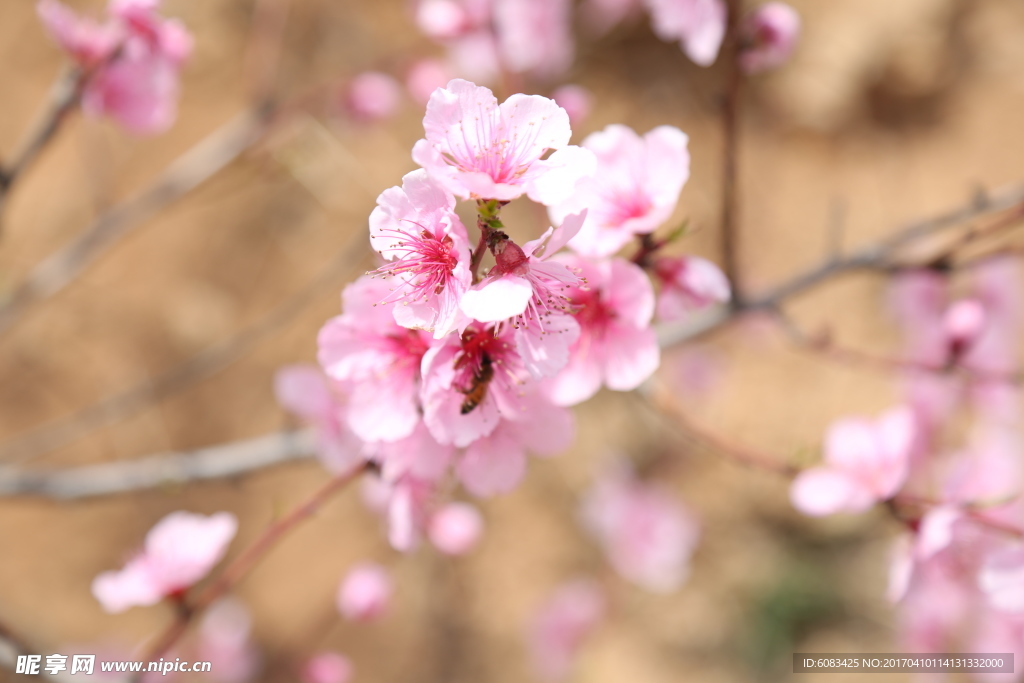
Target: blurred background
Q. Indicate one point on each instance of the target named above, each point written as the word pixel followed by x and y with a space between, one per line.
pixel 888 112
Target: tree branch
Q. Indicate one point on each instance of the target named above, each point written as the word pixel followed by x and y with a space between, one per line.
pixel 189 171
pixel 212 462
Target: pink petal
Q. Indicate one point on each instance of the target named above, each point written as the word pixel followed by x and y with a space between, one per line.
pixel 630 357
pixel 456 528
pixel 365 592
pixel 493 464
pixel 497 299
pixel 821 491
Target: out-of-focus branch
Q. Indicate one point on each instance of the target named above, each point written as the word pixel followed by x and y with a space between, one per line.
pixel 249 558
pixel 730 155
pixel 881 256
pixel 264 50
pixel 189 171
pixel 213 462
pixel 665 402
pixel 63 99
pixel 209 362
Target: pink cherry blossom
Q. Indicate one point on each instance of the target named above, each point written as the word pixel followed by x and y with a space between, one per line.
pixel 561 626
pixel 443 19
pixel 133 59
pixel 304 391
pixel 524 285
pixel 224 641
pixel 699 26
pixel 87 41
pixel 866 462
pixel 407 512
pixel 535 36
pixel 376 360
pixel 496 462
pixel 373 96
pixel 576 100
pixel 963 322
pixel 478 148
pixel 179 550
pixel 424 77
pixel 473 381
pixel 617 346
pixel 365 592
pixel 769 36
pixel 327 667
pixel 456 528
pixel 415 228
pixel 688 283
pixel 647 535
pixel 634 190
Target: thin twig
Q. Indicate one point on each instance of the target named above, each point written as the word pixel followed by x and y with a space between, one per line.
pixel 730 160
pixel 665 402
pixel 213 462
pixel 57 433
pixel 242 564
pixel 63 99
pixel 193 168
pixel 879 256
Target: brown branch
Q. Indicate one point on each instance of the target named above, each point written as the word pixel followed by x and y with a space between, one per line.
pixel 64 97
pixel 193 168
pixel 244 563
pixel 119 406
pixel 212 462
pixel 664 401
pixel 730 155
pixel 880 256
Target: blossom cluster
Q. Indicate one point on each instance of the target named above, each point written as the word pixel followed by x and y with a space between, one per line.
pixel 130 62
pixel 439 364
pixel 486 39
pixel 957 572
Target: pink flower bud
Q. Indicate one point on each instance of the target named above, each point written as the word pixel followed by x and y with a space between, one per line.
pixel 963 323
pixel 426 76
pixel 365 592
pixel 575 100
pixel 456 528
pixel 770 33
pixel 441 19
pixel 327 667
pixel 373 96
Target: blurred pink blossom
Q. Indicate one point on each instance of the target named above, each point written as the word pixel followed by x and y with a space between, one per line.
pixel 866 461
pixel 416 230
pixel 617 346
pixel 375 360
pixel 634 190
pixel 373 96
pixel 1002 579
pixel 327 667
pixel 479 149
pixel 365 592
pixel 304 391
pixel 535 36
pixel 576 100
pixel 562 624
pixel 224 642
pixel 688 283
pixel 769 36
pixel 132 61
pixel 647 535
pixel 424 77
pixel 456 528
pixel 699 26
pixel 179 550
